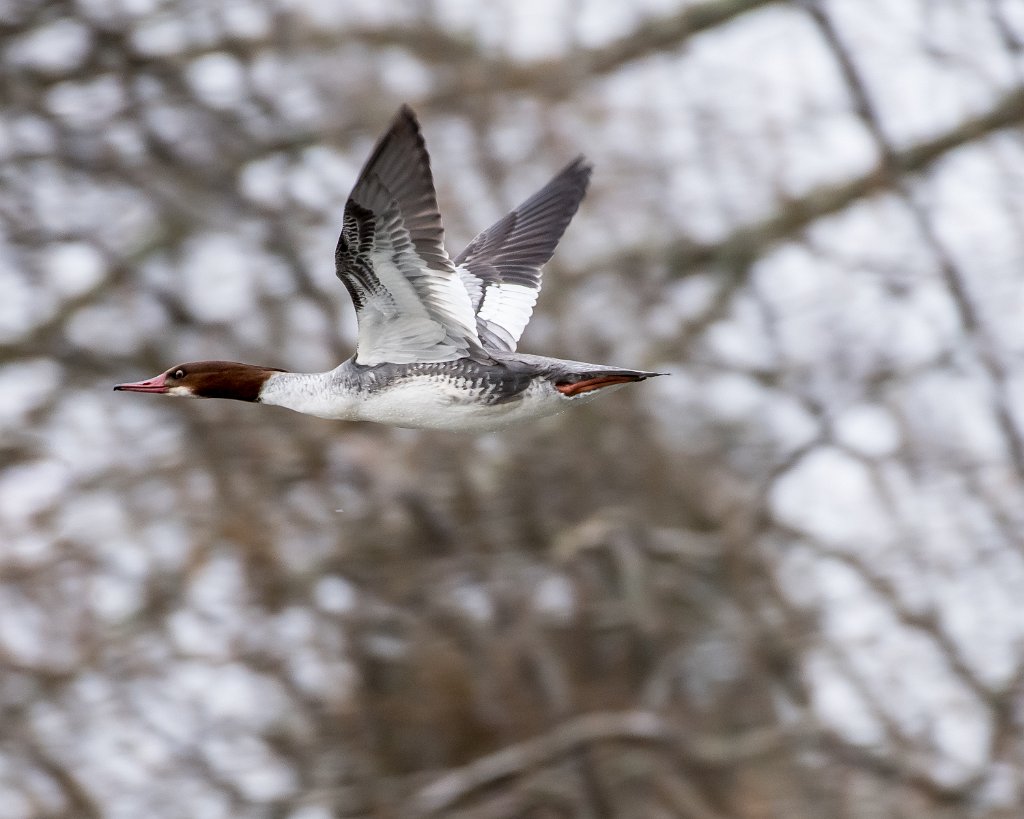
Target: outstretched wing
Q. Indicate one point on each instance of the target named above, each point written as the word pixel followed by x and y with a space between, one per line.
pixel 410 303
pixel 501 268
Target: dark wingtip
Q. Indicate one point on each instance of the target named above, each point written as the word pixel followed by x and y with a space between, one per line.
pixel 407 116
pixel 579 171
pixel 581 164
pixel 404 126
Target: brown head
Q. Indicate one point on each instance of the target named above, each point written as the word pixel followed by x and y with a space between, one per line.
pixel 207 379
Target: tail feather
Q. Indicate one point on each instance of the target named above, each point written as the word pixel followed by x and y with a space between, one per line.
pixel 579 383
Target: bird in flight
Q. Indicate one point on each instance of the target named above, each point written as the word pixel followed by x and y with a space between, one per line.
pixel 437 337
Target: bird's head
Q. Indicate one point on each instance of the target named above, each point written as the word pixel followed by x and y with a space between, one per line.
pixel 207 379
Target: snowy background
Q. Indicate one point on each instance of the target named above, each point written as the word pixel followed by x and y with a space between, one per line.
pixel 784 581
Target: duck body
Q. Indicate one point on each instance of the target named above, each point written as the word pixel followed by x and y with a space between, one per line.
pixel 462 395
pixel 437 339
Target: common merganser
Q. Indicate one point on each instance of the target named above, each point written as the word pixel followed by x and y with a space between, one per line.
pixel 436 345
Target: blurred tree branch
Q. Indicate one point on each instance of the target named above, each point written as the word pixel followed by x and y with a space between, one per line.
pixel 736 250
pixel 558 79
pixel 622 613
pixel 588 729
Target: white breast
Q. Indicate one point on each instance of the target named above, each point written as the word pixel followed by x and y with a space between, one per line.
pixel 418 402
pixel 316 394
pixel 432 403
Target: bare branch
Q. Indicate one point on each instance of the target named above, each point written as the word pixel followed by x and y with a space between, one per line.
pixel 631 726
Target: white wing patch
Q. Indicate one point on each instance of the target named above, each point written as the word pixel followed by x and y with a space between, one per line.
pixel 501 267
pixel 410 301
pixel 423 315
pixel 506 309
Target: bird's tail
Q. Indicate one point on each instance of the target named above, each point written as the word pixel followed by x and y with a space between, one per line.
pixel 577 383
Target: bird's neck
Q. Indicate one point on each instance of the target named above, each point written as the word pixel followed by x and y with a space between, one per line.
pixel 326 395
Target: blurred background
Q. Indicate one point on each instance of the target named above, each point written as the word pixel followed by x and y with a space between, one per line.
pixel 785 581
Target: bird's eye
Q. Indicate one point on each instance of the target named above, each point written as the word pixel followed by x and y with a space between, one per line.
pixel 178 373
